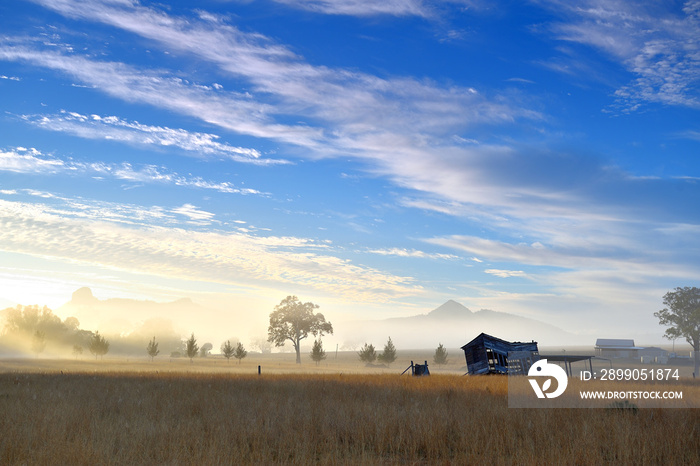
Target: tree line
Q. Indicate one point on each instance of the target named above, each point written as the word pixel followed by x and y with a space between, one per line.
pixel 294 321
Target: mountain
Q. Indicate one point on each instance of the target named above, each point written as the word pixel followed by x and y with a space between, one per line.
pixel 450 310
pixel 454 325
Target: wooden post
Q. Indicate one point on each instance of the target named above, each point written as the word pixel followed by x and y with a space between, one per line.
pixel 258 370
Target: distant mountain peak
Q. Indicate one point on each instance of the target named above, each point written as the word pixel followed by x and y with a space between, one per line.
pixel 83 296
pixel 450 309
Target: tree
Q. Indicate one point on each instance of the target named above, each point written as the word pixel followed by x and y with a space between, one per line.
pixel 205 349
pixel 227 350
pixel 440 356
pixel 98 345
pixel 191 347
pixel 240 352
pixel 293 320
pixel 389 354
pixel 38 342
pixel 262 344
pixel 152 348
pixel 317 352
pixel 77 351
pixel 367 354
pixel 682 314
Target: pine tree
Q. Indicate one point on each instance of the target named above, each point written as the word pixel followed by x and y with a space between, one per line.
pixel 440 356
pixel 152 348
pixel 317 352
pixel 240 352
pixel 389 354
pixel 367 354
pixel 191 347
pixel 227 350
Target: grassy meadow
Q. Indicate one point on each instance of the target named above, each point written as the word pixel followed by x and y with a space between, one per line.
pixel 212 412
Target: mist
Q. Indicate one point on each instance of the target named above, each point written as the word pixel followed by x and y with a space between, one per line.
pixel 129 324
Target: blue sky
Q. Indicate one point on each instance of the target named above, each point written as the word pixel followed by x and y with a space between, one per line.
pixel 539 158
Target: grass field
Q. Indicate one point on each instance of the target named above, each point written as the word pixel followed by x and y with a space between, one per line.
pixel 138 412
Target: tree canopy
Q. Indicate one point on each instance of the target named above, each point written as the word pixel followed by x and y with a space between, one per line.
pixel 293 320
pixel 240 352
pixel 367 353
pixel 682 315
pixel 98 345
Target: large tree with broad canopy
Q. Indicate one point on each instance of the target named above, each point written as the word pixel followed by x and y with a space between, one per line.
pixel 682 315
pixel 293 320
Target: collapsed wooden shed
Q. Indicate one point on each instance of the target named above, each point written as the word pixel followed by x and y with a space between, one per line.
pixel 487 354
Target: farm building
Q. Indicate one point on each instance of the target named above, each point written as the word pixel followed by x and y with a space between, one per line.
pixel 616 348
pixel 486 354
pixel 653 354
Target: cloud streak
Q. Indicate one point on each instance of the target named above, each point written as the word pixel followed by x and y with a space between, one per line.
pixel 33 161
pixel 657 44
pixel 118 129
pixel 217 257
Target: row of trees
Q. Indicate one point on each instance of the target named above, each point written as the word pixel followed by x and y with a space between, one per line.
pixel 368 354
pixel 192 349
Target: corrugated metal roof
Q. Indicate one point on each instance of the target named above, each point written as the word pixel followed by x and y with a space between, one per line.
pixel 614 342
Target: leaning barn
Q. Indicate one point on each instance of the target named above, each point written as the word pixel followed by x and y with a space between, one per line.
pixel 490 355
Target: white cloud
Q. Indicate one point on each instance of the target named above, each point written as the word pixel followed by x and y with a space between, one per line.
pixel 232 111
pixel 69 232
pixel 414 253
pixel 23 160
pixel 655 41
pixel 506 273
pixel 193 213
pixel 133 132
pixel 363 7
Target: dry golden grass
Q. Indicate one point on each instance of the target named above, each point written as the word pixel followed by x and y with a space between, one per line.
pixel 222 418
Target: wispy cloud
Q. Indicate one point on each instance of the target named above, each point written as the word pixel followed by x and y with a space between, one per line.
pixel 194 214
pixel 412 253
pixel 23 160
pixel 236 112
pixel 655 41
pixel 33 161
pixel 363 7
pixel 231 258
pixel 132 132
pixel 505 273
pixel 356 101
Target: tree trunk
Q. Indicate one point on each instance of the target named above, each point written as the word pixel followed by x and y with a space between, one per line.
pixel 696 373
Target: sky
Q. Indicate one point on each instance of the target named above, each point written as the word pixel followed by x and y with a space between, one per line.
pixel 540 158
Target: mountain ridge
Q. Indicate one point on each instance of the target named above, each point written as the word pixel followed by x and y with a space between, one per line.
pixel 454 324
